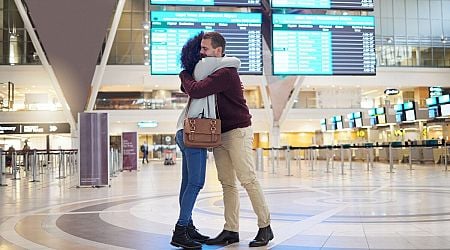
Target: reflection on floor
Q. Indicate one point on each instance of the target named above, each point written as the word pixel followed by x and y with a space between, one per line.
pixel 310 209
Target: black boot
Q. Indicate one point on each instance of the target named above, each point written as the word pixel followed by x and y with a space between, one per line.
pixel 195 235
pixel 263 237
pixel 224 238
pixel 181 239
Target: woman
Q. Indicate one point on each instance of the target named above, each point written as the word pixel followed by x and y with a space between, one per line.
pixel 194 159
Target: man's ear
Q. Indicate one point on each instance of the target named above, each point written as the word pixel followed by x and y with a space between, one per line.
pixel 219 51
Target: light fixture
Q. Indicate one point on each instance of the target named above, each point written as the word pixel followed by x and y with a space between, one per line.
pixel 146 26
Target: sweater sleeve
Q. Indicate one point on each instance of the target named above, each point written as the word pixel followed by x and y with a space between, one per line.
pixel 208 65
pixel 212 84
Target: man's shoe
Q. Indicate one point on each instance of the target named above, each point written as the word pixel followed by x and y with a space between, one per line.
pixel 224 238
pixel 181 239
pixel 263 237
pixel 193 233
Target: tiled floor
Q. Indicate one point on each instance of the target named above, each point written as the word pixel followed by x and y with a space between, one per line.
pixel 310 209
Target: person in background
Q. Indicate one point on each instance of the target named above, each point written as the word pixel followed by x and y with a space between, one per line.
pixel 234 158
pixel 194 159
pixel 144 150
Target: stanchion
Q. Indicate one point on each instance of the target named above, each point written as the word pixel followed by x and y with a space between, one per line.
pixel 277 153
pixel 368 158
pixel 446 155
pixel 61 166
pixel 2 169
pixel 391 160
pixel 315 154
pixel 15 169
pixel 332 159
pixel 328 158
pixel 259 159
pixel 299 159
pixel 311 160
pixel 410 157
pixel 350 158
pixel 34 168
pixel 342 160
pixel 288 160
pixel 272 159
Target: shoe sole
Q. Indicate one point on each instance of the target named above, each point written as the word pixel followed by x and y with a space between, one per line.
pixel 225 243
pixel 175 244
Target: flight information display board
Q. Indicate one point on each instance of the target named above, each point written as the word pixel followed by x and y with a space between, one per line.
pixel 236 3
pixel 323 45
pixel 325 4
pixel 170 31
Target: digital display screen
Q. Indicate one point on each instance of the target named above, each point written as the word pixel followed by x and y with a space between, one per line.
pixel 410 115
pixel 170 31
pixel 444 99
pixel 338 118
pixel 236 3
pixel 323 125
pixel 358 122
pixel 381 119
pixel 351 123
pixel 325 4
pixel 340 125
pixel 371 112
pixel 432 101
pixel 333 126
pixel 350 116
pixel 357 115
pixel 445 109
pixel 398 107
pixel 323 45
pixel 433 112
pixel 380 111
pixel 373 120
pixel 399 117
pixel 408 105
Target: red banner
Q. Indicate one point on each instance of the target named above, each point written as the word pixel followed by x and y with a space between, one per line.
pixel 129 150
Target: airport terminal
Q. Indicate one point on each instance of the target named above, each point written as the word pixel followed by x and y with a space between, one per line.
pixel 350 114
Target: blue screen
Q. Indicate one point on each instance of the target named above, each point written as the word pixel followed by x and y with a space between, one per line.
pixel 170 31
pixel 323 45
pixel 324 4
pixel 236 3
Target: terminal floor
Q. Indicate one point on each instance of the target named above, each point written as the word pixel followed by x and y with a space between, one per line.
pixel 408 209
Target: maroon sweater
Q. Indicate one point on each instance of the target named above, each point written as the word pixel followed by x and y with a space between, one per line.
pixel 227 86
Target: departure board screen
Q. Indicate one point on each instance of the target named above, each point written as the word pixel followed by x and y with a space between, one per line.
pixel 323 45
pixel 236 3
pixel 170 31
pixel 325 4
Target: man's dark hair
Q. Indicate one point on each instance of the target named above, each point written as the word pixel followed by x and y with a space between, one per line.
pixel 190 53
pixel 217 40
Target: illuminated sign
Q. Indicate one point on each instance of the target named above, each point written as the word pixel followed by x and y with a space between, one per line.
pixel 36 128
pixel 391 91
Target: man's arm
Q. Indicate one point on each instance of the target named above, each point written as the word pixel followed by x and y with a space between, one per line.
pixel 213 84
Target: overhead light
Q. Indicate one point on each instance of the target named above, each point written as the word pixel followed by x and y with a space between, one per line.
pixel 146 48
pixel 146 26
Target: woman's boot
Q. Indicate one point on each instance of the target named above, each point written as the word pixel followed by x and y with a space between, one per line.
pixel 181 239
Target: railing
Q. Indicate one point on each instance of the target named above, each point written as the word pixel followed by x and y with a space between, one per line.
pixel 35 163
pixel 391 153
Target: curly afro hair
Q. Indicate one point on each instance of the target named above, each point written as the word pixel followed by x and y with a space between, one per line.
pixel 190 53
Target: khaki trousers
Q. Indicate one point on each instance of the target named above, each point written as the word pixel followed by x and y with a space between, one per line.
pixel 234 159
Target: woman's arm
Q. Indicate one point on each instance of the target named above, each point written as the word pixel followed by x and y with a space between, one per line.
pixel 208 65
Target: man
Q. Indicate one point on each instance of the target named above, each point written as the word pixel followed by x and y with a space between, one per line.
pixel 234 159
pixel 144 150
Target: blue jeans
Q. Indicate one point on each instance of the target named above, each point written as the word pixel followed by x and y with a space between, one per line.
pixel 192 179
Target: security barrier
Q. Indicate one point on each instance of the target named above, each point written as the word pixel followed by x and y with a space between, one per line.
pixel 393 153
